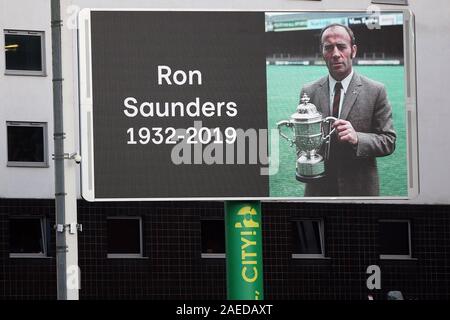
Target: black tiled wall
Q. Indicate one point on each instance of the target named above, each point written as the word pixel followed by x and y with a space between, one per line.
pixel 173 268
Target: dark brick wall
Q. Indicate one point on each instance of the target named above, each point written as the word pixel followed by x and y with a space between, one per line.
pixel 173 267
pixel 26 278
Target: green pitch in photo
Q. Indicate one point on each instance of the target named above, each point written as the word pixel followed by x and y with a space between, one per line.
pixel 283 89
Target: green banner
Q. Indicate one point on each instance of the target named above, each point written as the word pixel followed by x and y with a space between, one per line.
pixel 244 250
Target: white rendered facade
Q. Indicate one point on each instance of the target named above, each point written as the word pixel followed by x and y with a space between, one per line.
pixel 26 98
pixel 29 98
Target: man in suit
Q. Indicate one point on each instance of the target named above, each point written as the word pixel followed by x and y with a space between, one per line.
pixel 364 129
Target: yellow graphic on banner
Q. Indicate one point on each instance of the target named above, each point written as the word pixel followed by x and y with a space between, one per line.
pixel 248 243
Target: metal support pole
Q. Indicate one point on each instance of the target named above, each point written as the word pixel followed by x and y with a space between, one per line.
pixel 65 201
pixel 244 250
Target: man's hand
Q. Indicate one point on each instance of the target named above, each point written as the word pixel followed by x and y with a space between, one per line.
pixel 345 131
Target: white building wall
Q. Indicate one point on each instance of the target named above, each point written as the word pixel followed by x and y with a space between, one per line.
pixel 30 98
pixel 26 98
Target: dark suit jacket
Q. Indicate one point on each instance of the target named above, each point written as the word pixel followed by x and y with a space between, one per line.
pixel 352 171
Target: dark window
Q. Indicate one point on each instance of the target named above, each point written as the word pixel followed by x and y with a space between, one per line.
pixel 307 237
pixel 24 52
pixel 26 143
pixel 213 236
pixel 124 236
pixel 27 236
pixel 394 238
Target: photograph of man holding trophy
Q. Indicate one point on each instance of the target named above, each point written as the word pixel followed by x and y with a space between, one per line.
pixel 342 124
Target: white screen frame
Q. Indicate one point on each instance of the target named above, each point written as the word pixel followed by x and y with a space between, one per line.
pixel 86 111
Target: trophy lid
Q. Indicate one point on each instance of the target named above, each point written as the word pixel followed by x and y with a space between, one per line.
pixel 306 112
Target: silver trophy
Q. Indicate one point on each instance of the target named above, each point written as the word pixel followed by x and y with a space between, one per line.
pixel 310 140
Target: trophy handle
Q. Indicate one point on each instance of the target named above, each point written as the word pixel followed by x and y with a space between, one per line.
pixel 329 120
pixel 286 123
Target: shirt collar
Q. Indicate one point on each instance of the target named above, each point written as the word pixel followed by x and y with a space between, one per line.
pixel 345 82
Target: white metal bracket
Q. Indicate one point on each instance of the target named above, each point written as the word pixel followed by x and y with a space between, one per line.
pixel 72 227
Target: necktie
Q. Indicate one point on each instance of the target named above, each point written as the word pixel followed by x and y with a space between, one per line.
pixel 336 99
